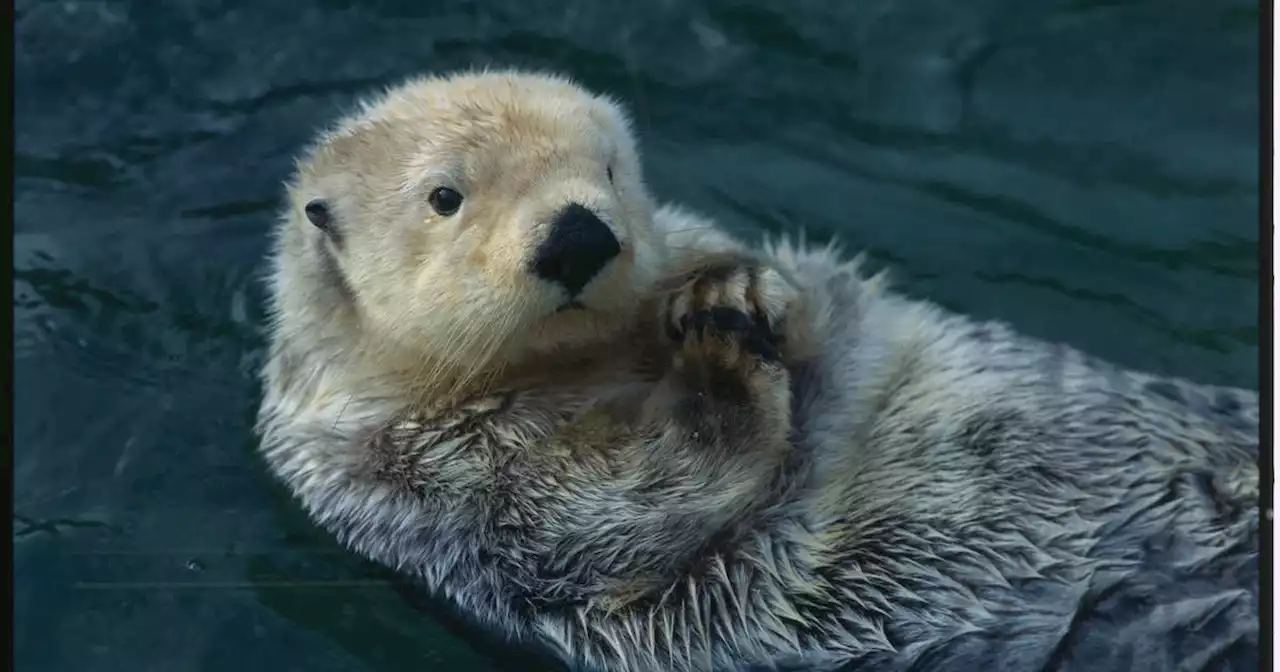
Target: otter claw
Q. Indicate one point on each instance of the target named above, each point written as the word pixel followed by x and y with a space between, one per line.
pixel 730 302
pixel 735 323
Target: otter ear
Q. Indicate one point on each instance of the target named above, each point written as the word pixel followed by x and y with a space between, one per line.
pixel 319 214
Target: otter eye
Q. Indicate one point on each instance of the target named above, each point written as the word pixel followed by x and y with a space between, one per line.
pixel 444 200
pixel 608 171
pixel 318 213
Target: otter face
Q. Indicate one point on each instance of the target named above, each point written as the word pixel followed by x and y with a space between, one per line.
pixel 482 215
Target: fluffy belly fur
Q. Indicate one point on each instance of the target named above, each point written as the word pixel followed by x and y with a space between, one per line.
pixel 888 487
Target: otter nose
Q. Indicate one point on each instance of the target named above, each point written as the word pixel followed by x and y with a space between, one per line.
pixel 578 248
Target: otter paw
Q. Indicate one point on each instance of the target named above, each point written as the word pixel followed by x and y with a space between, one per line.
pixel 731 312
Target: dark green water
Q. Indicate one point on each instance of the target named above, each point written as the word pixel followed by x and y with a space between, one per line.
pixel 1085 169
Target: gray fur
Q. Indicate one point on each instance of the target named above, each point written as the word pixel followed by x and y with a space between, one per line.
pixel 955 495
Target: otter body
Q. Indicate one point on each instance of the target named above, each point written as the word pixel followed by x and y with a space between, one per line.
pixel 606 426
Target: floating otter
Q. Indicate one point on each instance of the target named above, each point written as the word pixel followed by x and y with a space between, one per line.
pixel 497 366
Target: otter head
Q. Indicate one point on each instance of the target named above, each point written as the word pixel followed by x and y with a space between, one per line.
pixel 478 219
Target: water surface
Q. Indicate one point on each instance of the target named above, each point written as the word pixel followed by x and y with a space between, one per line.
pixel 1084 169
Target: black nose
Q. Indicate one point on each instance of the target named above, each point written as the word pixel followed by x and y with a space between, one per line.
pixel 579 246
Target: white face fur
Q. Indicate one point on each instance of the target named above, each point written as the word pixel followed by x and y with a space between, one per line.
pixel 482 216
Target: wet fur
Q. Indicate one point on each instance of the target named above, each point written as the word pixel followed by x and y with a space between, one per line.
pixel 751 458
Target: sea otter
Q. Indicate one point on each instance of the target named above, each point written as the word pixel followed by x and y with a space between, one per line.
pixel 498 366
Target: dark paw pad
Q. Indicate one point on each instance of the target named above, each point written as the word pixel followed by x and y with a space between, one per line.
pixel 727 323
